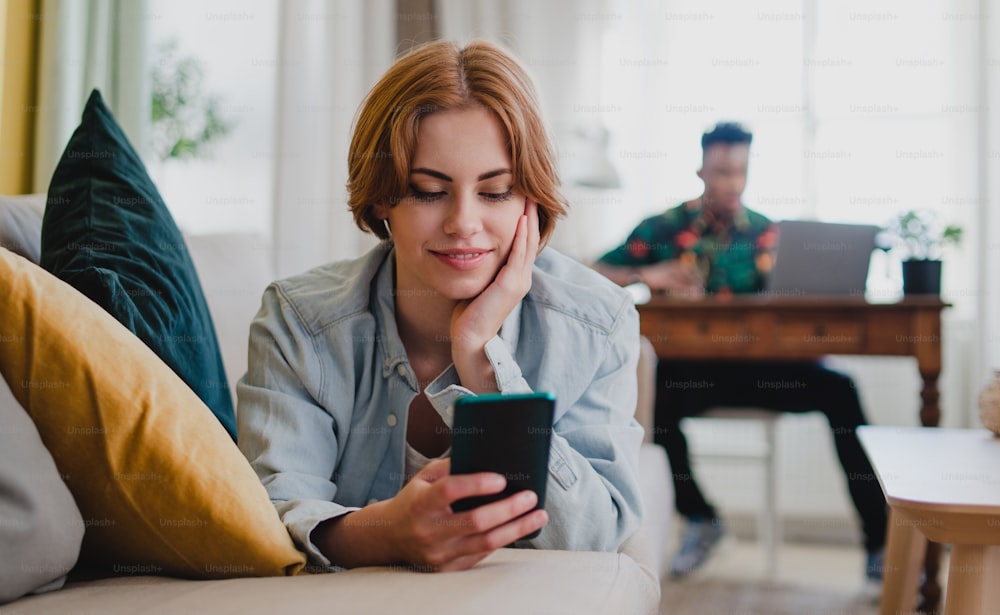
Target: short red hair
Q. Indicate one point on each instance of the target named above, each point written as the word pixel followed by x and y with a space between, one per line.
pixel 441 76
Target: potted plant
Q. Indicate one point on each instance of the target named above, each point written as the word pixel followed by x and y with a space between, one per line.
pixel 921 238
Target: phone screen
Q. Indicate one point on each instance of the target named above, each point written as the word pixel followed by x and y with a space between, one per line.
pixel 506 434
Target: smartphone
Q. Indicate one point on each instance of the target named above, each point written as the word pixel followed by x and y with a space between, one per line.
pixel 506 434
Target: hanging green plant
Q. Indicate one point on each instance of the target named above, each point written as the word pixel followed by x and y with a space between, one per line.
pixel 186 121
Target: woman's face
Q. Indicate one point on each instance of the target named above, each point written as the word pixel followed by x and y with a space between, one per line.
pixel 454 229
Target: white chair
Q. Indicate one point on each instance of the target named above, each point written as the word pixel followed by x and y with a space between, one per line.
pixel 768 521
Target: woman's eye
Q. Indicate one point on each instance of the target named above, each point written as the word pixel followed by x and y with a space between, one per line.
pixel 420 195
pixel 497 196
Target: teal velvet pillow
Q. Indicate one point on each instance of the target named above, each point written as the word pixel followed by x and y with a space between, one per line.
pixel 107 232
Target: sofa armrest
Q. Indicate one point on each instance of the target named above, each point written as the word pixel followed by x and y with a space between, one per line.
pixel 21 224
pixel 508 581
pixel 649 546
pixel 646 400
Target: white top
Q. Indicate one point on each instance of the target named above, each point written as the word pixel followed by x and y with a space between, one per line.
pixel 952 469
pixel 414 461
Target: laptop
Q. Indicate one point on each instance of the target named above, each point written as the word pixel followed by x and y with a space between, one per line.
pixel 821 258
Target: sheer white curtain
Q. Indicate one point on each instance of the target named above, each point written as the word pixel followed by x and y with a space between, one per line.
pixel 561 43
pixel 988 221
pixel 86 44
pixel 330 54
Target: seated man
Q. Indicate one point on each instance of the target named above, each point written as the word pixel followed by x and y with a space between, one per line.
pixel 714 244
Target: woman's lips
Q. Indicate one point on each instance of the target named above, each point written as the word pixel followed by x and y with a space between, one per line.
pixel 463 259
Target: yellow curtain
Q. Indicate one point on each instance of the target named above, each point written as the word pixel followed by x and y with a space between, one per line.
pixel 19 21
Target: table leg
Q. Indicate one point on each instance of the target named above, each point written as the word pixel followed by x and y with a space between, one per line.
pixel 930 411
pixel 904 550
pixel 930 591
pixel 972 577
pixel 930 416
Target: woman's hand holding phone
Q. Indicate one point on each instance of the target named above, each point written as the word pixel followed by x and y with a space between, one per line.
pixel 418 527
pixel 428 533
pixel 474 322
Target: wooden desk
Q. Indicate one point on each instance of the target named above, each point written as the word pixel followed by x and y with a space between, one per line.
pixel 764 327
pixel 768 327
pixel 941 485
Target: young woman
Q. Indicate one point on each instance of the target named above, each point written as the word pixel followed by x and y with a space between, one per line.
pixel 355 366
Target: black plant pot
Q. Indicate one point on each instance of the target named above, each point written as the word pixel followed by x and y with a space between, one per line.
pixel 921 277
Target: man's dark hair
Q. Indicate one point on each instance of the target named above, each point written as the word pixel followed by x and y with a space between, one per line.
pixel 727 133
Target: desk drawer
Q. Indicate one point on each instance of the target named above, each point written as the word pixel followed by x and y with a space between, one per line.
pixel 826 336
pixel 722 335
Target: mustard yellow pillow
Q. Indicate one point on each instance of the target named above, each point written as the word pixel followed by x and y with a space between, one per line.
pixel 161 485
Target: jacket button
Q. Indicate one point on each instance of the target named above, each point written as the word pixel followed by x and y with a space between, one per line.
pixel 391 420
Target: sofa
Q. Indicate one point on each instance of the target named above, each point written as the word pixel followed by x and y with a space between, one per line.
pixel 233 270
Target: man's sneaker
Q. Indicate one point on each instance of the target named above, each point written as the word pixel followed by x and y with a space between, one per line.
pixel 875 565
pixel 874 569
pixel 701 538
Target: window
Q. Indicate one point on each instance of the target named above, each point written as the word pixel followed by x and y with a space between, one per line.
pixel 859 109
pixel 235 44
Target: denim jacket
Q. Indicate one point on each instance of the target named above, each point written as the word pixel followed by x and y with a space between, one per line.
pixel 322 409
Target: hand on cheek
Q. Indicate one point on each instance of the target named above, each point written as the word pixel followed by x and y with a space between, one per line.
pixel 476 321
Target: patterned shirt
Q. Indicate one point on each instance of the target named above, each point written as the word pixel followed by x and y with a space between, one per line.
pixel 732 258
